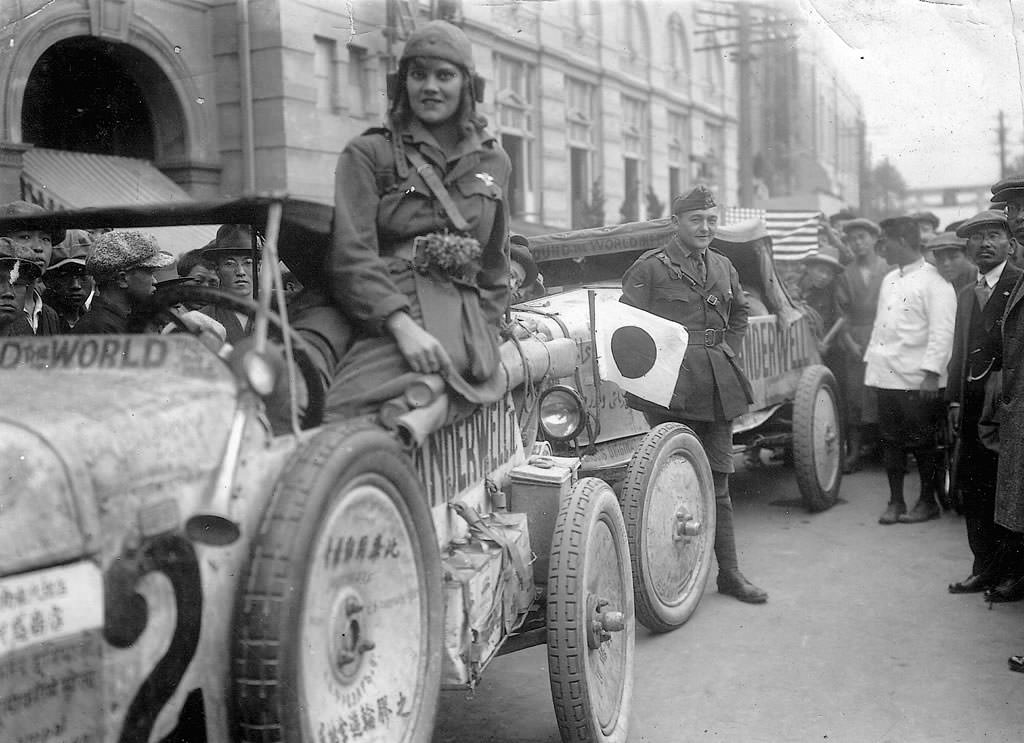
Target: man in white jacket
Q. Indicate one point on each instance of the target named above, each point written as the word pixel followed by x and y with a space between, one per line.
pixel 911 343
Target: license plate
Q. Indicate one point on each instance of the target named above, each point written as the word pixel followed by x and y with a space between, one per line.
pixel 51 655
pixel 49 604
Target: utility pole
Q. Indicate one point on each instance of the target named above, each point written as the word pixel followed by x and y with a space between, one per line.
pixel 746 156
pixel 744 25
pixel 1002 147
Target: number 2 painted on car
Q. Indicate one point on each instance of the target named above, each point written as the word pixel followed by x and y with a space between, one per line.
pixel 127 614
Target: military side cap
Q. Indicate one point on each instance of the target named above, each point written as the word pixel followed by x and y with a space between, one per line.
pixel 21 208
pixel 70 254
pixel 928 217
pixel 945 241
pixel 987 218
pixel 124 250
pixel 861 223
pixel 699 198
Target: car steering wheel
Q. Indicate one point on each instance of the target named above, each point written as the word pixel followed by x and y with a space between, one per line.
pixel 165 298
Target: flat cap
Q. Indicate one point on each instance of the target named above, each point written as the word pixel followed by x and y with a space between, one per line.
pixel 1013 181
pixel 895 225
pixel 18 265
pixel 21 208
pixel 1008 189
pixel 928 217
pixel 123 250
pixel 824 254
pixel 168 276
pixel 862 223
pixel 72 252
pixel 945 241
pixel 986 218
pixel 699 198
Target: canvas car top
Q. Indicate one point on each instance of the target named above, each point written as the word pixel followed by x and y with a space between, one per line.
pixel 630 237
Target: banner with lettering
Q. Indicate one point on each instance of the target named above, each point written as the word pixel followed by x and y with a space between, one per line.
pixel 638 351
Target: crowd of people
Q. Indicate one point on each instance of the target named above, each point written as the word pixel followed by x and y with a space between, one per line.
pixel 105 281
pixel 926 345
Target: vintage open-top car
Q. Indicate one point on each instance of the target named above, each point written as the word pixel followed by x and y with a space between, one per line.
pixel 175 567
pixel 796 409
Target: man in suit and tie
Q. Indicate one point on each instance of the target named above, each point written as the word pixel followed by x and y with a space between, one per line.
pixel 973 368
pixel 699 288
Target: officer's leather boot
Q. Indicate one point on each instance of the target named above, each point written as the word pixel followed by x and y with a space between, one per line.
pixel 730 580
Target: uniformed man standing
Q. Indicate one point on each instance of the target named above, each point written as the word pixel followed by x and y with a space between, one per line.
pixel 698 288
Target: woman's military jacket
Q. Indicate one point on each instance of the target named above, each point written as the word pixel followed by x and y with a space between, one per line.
pixel 382 203
pixel 711 386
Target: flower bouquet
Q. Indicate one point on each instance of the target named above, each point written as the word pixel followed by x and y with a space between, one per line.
pixel 454 256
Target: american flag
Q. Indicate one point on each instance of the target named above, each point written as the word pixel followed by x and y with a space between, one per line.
pixel 794 233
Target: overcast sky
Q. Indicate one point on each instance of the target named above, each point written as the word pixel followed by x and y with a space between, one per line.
pixel 932 77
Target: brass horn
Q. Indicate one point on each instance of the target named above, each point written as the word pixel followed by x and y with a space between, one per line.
pixel 214 524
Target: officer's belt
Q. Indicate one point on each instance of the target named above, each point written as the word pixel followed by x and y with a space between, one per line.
pixel 710 337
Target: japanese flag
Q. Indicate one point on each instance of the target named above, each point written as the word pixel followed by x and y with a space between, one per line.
pixel 638 351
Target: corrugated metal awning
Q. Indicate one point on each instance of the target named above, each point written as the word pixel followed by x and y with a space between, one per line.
pixel 61 180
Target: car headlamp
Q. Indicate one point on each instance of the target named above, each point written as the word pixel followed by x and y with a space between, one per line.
pixel 259 373
pixel 562 413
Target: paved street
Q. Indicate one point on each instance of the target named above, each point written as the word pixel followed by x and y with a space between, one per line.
pixel 860 641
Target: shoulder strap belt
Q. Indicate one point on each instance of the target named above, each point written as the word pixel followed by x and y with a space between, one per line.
pixel 426 170
pixel 679 273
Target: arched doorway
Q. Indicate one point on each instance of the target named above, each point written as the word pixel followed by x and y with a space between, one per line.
pixel 81 97
pixel 86 94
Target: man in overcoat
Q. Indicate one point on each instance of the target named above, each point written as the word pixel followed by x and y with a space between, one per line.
pixel 1009 498
pixel 973 368
pixel 686 282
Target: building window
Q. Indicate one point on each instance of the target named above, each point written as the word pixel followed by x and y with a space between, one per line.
pixel 675 182
pixel 634 126
pixel 678 152
pixel 714 72
pixel 638 43
pixel 325 73
pixel 630 189
pixel 587 17
pixel 515 105
pixel 358 82
pixel 678 51
pixel 714 153
pixel 581 118
pixel 635 123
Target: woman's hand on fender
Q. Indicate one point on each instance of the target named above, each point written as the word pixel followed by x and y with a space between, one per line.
pixel 421 350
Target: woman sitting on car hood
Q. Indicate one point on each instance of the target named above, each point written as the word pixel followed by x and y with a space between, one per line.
pixel 419 258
